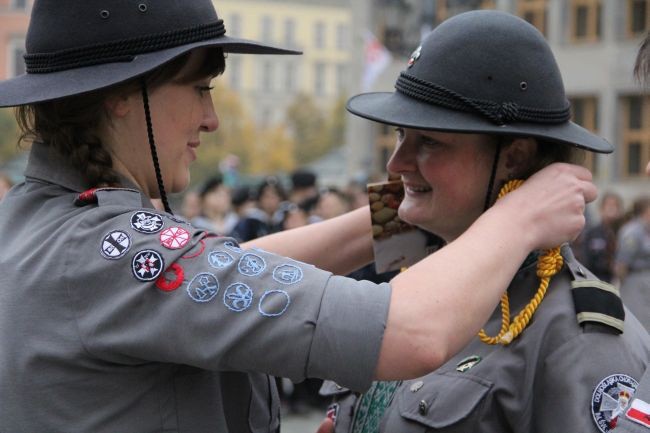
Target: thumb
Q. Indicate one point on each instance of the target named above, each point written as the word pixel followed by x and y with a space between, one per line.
pixel 327 426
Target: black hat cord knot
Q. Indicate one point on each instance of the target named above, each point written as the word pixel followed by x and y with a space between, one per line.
pixel 152 145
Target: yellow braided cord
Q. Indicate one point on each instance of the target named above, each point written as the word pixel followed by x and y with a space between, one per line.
pixel 548 264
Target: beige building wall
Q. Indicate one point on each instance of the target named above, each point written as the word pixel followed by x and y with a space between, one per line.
pixel 268 84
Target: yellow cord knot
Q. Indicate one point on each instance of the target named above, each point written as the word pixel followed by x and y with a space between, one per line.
pixel 549 263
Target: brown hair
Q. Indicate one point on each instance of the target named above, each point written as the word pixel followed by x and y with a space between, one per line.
pixel 549 152
pixel 70 125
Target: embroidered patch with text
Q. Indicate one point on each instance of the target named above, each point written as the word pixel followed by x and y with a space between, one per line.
pixel 147 265
pixel 610 399
pixel 115 244
pixel 146 222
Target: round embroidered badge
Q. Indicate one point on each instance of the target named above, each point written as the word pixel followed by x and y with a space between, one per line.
pixel 174 238
pixel 115 244
pixel 146 222
pixel 238 297
pixel 203 287
pixel 220 259
pixel 287 274
pixel 274 303
pixel 147 265
pixel 611 397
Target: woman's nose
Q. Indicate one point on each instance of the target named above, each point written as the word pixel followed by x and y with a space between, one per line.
pixel 210 119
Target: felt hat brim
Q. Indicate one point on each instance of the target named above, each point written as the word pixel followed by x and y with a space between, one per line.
pixel 401 110
pixel 34 88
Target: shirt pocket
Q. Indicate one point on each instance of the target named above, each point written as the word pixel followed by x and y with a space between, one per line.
pixel 442 401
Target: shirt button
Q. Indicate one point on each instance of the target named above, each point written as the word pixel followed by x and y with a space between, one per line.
pixel 415 387
pixel 423 407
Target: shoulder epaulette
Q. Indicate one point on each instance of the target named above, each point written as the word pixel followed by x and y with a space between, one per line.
pixel 102 196
pixel 595 301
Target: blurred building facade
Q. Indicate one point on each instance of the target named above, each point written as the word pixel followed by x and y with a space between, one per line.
pixel 269 84
pixel 14 18
pixel 595 43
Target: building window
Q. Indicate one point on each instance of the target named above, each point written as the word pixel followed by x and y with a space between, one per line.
pixel 234 26
pixel 319 35
pixel 535 12
pixel 290 32
pixel 342 37
pixel 267 75
pixel 636 135
pixel 319 79
pixel 586 20
pixel 16 63
pixel 638 17
pixel 234 72
pixel 584 112
pixel 266 29
pixel 342 78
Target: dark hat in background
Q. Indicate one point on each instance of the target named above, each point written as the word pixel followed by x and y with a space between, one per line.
pixel 77 46
pixel 303 179
pixel 481 72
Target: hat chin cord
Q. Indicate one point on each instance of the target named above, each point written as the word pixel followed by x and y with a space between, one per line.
pixel 152 145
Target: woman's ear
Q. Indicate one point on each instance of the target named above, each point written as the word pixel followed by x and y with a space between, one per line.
pixel 118 105
pixel 519 157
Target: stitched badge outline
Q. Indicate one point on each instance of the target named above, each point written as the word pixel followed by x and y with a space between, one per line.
pixel 287 274
pixel 232 247
pixel 251 265
pixel 274 303
pixel 238 297
pixel 610 399
pixel 169 285
pixel 203 287
pixel 220 259
pixel 115 245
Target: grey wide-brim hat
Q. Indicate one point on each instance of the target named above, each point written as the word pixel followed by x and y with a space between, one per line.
pixel 481 72
pixel 77 46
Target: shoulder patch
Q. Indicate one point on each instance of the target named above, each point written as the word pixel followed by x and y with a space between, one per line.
pixel 174 238
pixel 598 302
pixel 610 399
pixel 115 244
pixel 147 265
pixel 146 222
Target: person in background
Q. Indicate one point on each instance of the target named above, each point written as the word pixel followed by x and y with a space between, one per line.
pixel 216 212
pixel 599 240
pixel 332 202
pixel 263 218
pixel 191 205
pixel 303 186
pixel 560 353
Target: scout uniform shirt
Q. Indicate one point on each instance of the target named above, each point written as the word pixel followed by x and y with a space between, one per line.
pixel 556 376
pixel 115 317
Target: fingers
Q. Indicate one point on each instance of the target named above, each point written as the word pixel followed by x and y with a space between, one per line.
pixel 327 426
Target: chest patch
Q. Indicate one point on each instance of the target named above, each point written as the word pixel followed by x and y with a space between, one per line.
pixel 610 399
pixel 174 238
pixel 115 244
pixel 146 222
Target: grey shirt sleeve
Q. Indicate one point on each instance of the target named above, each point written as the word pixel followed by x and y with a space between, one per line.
pixel 174 294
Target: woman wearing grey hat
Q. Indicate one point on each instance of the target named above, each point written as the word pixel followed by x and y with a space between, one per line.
pixel 116 317
pixel 480 106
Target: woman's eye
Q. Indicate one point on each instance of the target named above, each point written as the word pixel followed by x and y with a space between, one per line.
pixel 428 142
pixel 203 89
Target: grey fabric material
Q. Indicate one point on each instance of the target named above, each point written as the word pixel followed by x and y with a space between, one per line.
pixel 635 292
pixel 543 382
pixel 486 56
pixel 60 25
pixel 86 346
